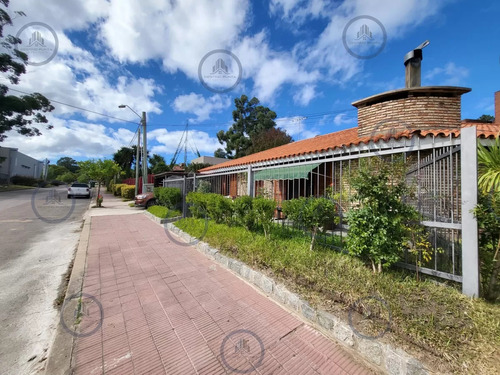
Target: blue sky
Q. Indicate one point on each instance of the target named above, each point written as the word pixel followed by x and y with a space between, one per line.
pixel 146 54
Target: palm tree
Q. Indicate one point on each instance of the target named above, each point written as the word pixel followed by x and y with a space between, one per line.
pixel 489 167
pixel 489 184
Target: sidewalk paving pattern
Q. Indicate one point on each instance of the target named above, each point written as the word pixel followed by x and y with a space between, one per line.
pixel 170 310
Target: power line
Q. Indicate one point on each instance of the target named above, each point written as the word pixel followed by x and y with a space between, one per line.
pixel 76 107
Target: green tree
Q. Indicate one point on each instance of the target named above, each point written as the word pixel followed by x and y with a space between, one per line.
pixel 158 164
pixel 195 167
pixel 250 119
pixel 69 163
pixel 55 170
pixel 267 139
pixel 67 177
pixel 125 157
pixel 99 170
pixel 378 225
pixel 18 113
pixel 220 153
pixel 486 118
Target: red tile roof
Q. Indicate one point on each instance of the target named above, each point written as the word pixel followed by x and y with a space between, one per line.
pixel 346 138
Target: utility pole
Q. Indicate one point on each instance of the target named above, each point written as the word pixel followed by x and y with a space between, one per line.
pixel 145 157
pixel 137 161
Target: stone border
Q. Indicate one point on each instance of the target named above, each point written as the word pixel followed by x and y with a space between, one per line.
pixel 61 359
pixel 160 220
pixel 384 357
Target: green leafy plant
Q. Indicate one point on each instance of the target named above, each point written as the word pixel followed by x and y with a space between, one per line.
pixel 314 214
pixel 169 197
pixel 263 211
pixel 378 224
pixel 244 213
pixel 128 191
pixel 487 213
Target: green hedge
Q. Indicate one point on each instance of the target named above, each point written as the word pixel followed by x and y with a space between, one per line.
pixel 169 197
pixel 23 180
pixel 128 191
pixel 248 212
pixel 117 189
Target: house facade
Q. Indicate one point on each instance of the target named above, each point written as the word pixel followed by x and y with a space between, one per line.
pixel 421 124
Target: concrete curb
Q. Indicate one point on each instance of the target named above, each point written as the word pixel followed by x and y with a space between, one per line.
pixel 60 358
pixel 382 356
pixel 159 220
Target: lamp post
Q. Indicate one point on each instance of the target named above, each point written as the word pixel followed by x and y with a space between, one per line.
pixel 144 150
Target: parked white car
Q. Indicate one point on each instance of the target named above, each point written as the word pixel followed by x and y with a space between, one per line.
pixel 79 190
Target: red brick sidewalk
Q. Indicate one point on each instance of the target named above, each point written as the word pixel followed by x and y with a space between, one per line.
pixel 170 310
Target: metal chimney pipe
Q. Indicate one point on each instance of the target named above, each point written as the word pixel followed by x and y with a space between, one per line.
pixel 413 61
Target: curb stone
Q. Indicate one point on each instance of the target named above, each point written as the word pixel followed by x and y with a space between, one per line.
pixel 384 357
pixel 60 358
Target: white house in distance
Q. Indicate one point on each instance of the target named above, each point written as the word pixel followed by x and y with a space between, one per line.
pixel 15 163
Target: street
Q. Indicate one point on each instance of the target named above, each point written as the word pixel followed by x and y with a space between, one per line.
pixel 39 233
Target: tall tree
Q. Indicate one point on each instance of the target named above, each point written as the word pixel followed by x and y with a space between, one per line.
pixel 18 113
pixel 487 118
pixel 267 139
pixel 220 153
pixel 158 164
pixel 69 163
pixel 125 157
pixel 250 119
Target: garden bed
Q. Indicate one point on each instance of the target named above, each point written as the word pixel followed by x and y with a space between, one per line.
pixel 447 331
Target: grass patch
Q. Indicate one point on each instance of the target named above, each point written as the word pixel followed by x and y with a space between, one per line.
pixel 131 204
pixel 14 187
pixel 163 212
pixel 437 324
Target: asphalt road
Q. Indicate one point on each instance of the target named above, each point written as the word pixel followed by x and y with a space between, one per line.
pixel 39 232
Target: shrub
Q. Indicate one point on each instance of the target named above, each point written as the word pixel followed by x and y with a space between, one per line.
pixel 217 207
pixel 23 180
pixel 128 191
pixel 244 213
pixel 204 186
pixel 197 204
pixel 117 189
pixel 378 229
pixel 314 214
pixel 169 197
pixel 110 187
pixel 263 211
pixel 56 182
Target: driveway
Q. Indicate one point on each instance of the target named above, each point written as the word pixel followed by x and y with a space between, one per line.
pixel 39 229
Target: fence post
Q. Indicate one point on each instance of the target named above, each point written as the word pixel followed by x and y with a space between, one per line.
pixel 250 182
pixel 470 250
pixel 194 181
pixel 184 188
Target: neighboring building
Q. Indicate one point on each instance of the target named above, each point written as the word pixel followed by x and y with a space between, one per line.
pixel 15 163
pixel 212 160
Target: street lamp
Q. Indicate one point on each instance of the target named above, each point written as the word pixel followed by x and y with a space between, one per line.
pixel 144 150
